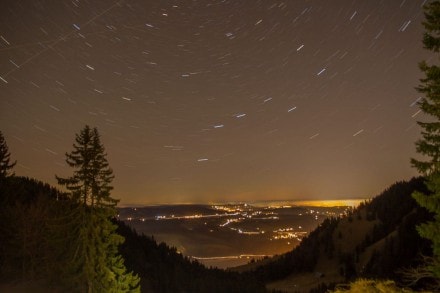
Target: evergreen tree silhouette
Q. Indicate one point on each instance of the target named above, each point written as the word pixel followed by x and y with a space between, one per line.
pixel 429 145
pixel 5 159
pixel 95 265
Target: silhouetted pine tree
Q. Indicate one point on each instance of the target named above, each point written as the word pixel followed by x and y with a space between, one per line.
pixel 429 145
pixel 5 159
pixel 95 265
pixel 90 183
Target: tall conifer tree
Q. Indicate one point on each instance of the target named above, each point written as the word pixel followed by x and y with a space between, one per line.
pixel 95 265
pixel 90 183
pixel 5 159
pixel 429 145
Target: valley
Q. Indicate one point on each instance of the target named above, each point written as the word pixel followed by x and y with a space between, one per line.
pixel 229 235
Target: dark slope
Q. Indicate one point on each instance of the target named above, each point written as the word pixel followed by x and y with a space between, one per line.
pixel 163 269
pixel 376 240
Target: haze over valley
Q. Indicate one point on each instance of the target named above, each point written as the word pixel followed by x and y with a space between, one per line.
pixel 227 235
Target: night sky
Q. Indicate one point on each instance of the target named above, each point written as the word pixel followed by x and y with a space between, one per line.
pixel 207 101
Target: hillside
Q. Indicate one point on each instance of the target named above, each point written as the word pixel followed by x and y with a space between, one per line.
pixel 376 240
pixel 163 269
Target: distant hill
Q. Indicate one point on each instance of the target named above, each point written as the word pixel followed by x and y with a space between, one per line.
pixel 375 240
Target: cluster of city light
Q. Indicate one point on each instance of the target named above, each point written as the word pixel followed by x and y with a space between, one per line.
pixel 246 212
pixel 229 221
pixel 288 233
pixel 274 207
pixel 232 208
pixel 189 217
pixel 329 213
pixel 241 231
pixel 247 256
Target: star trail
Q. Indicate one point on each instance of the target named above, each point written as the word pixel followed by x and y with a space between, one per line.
pixel 207 101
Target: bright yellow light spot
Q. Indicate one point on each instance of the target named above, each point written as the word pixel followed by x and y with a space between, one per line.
pixel 330 203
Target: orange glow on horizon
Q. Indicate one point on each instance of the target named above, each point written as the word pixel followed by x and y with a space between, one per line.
pixel 330 203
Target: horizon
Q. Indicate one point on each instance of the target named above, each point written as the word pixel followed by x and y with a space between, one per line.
pixel 353 202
